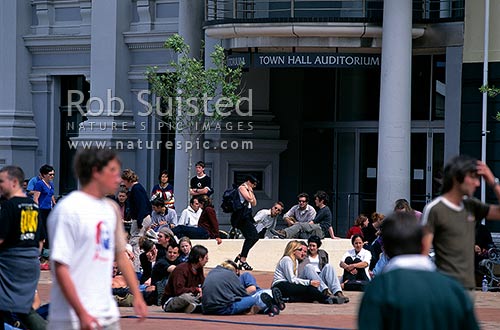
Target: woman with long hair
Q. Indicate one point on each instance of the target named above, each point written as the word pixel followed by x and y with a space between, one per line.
pixel 286 277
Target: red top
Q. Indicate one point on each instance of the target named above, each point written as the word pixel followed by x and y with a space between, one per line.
pixel 208 221
pixel 354 230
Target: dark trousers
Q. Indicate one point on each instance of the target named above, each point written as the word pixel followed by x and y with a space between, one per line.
pixel 300 293
pixel 244 222
pixel 191 232
pixel 43 215
pixel 360 276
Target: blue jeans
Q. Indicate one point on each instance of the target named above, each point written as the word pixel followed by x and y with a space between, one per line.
pixel 239 306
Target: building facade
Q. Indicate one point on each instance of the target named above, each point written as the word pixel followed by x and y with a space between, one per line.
pixel 363 99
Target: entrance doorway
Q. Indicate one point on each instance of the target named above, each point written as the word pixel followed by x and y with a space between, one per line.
pixel 355 172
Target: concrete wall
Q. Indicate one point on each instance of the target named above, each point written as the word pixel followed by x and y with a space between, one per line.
pixel 267 252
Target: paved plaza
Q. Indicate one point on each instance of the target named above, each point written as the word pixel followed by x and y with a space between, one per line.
pixel 295 316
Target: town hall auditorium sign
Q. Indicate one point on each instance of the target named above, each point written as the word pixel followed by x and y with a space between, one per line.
pixel 312 60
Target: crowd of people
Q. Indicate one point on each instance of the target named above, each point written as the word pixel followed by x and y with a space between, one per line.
pixel 90 254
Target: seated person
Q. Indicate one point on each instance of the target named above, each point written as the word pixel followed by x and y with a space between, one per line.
pixel 162 269
pixel 208 225
pixel 370 231
pixel 355 263
pixel 293 287
pixel 190 215
pixel 266 219
pixel 316 266
pixel 360 223
pixel 321 225
pixel 162 215
pixel 165 238
pixel 183 291
pixel 223 294
pixel 184 249
pixel 147 258
pixel 484 242
pixel 302 212
pixel 410 293
pixel 119 287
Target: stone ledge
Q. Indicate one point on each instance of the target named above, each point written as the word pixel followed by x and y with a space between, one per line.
pixel 267 252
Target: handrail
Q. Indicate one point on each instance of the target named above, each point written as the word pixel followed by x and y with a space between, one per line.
pixel 279 10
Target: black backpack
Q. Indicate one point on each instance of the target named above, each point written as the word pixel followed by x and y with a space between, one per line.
pixel 231 200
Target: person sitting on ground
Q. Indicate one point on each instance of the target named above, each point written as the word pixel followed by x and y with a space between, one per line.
pixel 355 263
pixel 411 294
pixel 316 266
pixel 119 287
pixel 223 294
pixel 165 238
pixel 190 215
pixel 183 291
pixel 302 212
pixel 293 287
pixel 266 219
pixel 208 225
pixel 162 270
pixel 360 223
pixel 402 205
pixel 147 259
pixel 163 190
pixel 184 249
pixel 162 215
pixel 321 225
pixel 484 242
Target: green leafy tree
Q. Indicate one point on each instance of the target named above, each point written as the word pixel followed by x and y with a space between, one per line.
pixel 193 98
pixel 492 91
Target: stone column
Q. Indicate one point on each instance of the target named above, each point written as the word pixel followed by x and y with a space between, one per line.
pixel 17 127
pixel 190 28
pixel 393 174
pixel 109 64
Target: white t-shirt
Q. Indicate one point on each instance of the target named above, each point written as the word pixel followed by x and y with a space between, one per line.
pixel 314 261
pixel 84 235
pixel 363 255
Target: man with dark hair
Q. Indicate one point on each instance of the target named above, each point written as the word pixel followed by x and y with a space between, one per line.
pixel 21 239
pixel 190 215
pixel 162 215
pixel 302 212
pixel 87 236
pixel 163 189
pixel 183 290
pixel 410 294
pixel 320 226
pixel 450 219
pixel 201 184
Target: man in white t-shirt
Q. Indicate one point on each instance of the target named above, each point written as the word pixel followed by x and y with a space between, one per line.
pixel 86 237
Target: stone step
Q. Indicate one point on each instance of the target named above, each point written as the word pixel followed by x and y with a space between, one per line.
pixel 266 253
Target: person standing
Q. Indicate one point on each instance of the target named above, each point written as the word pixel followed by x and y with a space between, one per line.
pixel 410 294
pixel 243 220
pixel 164 190
pixel 21 238
pixel 140 212
pixel 201 184
pixel 43 195
pixel 87 236
pixel 450 219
